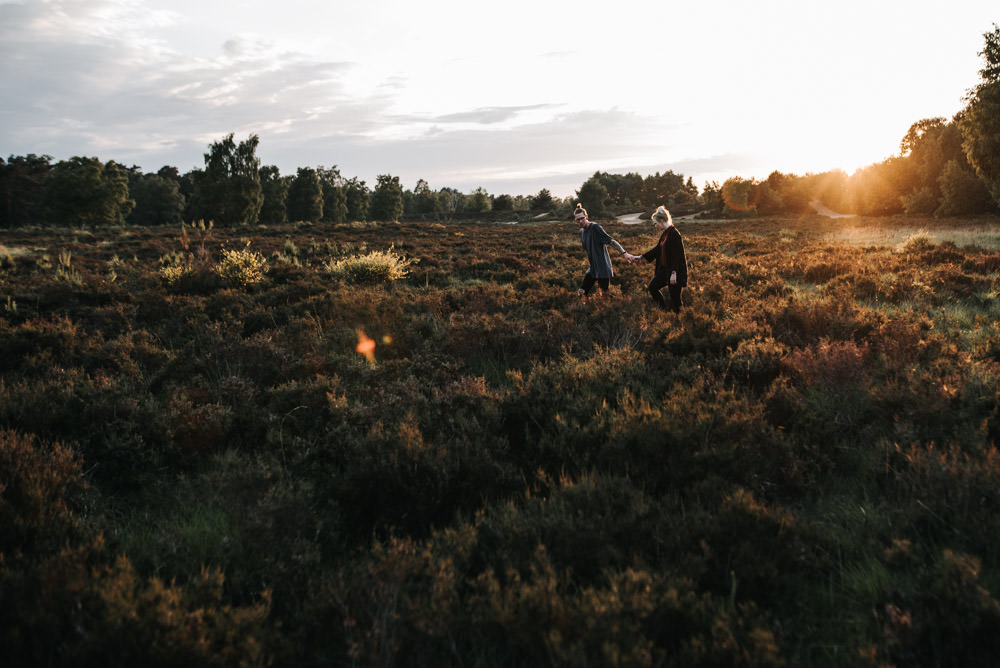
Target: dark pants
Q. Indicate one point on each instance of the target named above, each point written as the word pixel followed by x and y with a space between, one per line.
pixel 588 283
pixel 660 280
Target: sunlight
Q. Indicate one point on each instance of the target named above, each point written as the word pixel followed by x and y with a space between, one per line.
pixel 366 346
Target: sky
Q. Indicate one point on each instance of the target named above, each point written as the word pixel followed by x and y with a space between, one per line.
pixel 511 96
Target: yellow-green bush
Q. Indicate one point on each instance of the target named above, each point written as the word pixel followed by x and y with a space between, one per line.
pixel 241 267
pixel 376 267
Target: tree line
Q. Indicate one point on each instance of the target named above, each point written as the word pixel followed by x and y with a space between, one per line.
pixel 232 189
pixel 944 168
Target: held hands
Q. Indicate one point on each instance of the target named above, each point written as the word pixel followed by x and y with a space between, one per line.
pixel 631 259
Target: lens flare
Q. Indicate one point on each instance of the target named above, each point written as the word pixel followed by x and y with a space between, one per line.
pixel 366 346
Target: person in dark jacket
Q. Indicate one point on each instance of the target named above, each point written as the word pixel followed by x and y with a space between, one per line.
pixel 671 263
pixel 595 242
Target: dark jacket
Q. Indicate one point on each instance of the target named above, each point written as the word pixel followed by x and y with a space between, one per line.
pixel 595 241
pixel 669 256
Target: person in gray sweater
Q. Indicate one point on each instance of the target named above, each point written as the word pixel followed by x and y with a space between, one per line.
pixel 595 242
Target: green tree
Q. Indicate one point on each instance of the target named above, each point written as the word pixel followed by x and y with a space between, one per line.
pixel 158 200
pixel 740 196
pixel 387 199
pixel 85 191
pixel 425 200
pixel 228 191
pixel 659 188
pixel 980 121
pixel 192 209
pixel 334 197
pixel 877 190
pixel 450 200
pixel 962 191
pixel 478 201
pixel 711 197
pixel 357 195
pixel 542 201
pixel 305 196
pixel 274 190
pixel 623 190
pixel 593 195
pixel 22 182
pixel 503 203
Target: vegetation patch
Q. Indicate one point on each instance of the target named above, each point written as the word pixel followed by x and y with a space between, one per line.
pixel 405 443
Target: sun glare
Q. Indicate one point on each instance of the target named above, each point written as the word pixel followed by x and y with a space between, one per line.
pixel 366 346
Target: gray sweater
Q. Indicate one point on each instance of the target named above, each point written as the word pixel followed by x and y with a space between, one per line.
pixel 595 241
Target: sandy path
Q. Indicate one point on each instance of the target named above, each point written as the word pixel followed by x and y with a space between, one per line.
pixel 819 208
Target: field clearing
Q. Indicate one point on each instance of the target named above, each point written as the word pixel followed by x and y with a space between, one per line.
pixel 413 444
pixel 987 237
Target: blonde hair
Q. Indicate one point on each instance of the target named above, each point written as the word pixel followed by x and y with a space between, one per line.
pixel 662 215
pixel 579 210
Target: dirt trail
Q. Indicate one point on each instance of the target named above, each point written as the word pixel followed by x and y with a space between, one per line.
pixel 822 210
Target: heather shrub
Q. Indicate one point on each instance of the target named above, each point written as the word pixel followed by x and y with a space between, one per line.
pixel 241 267
pixel 174 267
pixel 823 270
pixel 503 474
pixel 828 363
pixel 919 242
pixel 66 607
pixel 967 480
pixel 378 266
pixel 757 361
pixel 437 603
pixel 39 482
pixel 65 271
pixel 396 477
pixel 944 617
pixel 128 620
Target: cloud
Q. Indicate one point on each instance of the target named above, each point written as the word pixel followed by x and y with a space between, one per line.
pixel 488 115
pixel 74 86
pixel 518 161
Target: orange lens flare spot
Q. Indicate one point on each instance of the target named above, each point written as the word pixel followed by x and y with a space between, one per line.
pixel 366 346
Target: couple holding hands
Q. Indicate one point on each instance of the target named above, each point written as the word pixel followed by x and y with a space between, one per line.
pixel 668 254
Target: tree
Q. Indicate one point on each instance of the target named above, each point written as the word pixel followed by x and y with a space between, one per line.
pixel 85 191
pixel 425 200
pixel 711 197
pixel 962 192
pixel 334 197
pixel 357 196
pixel 387 199
pixel 229 191
pixel 274 190
pixel 927 147
pixel 478 201
pixel 22 182
pixel 542 201
pixel 593 195
pixel 158 200
pixel 740 196
pixel 622 190
pixel 305 196
pixel 877 190
pixel 980 120
pixel 169 172
pixel 658 188
pixel 503 203
pixel 450 200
